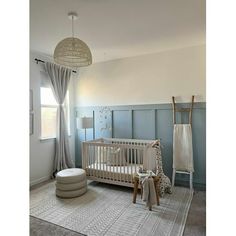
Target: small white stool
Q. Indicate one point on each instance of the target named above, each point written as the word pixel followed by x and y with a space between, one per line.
pixel 71 182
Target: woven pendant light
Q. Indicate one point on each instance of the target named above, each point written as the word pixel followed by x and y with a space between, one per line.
pixel 72 52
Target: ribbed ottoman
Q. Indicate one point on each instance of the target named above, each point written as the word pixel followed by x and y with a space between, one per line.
pixel 71 183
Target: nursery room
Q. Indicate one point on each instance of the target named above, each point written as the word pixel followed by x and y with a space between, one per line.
pixel 117 117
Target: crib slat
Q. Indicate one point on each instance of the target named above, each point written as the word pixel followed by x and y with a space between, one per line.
pixel 120 167
pixel 106 173
pixel 88 156
pixel 100 161
pixel 103 167
pixel 113 172
pixel 110 175
pixel 96 160
pixel 91 157
pixel 118 170
pixel 130 163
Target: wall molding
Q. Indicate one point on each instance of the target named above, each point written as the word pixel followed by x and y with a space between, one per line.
pixel 164 106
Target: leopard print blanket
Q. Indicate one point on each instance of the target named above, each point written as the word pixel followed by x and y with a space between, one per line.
pixel 164 184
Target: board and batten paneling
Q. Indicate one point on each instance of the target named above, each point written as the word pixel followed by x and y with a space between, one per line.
pixel 149 122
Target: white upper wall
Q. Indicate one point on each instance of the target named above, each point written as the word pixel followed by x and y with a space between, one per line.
pixel 146 79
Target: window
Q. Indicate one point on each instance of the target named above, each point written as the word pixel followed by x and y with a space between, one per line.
pixel 49 113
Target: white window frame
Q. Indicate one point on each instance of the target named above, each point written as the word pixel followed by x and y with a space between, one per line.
pixel 66 107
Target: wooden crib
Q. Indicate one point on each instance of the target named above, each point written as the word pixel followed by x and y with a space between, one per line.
pixel 112 160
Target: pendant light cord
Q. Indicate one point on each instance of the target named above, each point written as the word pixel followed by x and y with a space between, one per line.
pixel 72 26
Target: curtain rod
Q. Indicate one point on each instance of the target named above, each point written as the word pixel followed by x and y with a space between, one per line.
pixel 38 60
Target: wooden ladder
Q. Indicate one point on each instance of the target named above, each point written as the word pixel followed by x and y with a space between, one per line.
pixel 190 110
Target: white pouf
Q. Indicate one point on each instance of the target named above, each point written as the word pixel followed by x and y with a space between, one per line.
pixel 71 182
pixel 71 175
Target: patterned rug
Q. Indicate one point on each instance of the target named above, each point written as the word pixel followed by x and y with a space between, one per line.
pixel 108 210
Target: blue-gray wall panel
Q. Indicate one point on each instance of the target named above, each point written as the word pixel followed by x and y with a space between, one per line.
pixel 144 124
pixel 122 124
pixel 199 145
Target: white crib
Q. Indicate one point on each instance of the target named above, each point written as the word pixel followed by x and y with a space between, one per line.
pixel 112 160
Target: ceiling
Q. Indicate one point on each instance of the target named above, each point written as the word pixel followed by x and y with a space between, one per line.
pixel 117 29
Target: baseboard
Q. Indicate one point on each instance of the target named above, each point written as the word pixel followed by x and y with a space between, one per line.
pixel 40 180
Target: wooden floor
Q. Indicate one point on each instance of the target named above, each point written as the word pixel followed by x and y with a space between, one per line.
pixel 195 224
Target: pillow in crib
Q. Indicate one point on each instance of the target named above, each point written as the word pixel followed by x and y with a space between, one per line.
pixel 116 157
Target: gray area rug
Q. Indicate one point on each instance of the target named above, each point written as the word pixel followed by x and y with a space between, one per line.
pixel 108 210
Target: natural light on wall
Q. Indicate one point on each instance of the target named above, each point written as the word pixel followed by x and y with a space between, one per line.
pixel 49 113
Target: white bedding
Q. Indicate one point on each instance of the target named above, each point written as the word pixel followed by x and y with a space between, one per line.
pixel 128 169
pixel 116 173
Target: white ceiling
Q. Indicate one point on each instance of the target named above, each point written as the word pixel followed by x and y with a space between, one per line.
pixel 118 28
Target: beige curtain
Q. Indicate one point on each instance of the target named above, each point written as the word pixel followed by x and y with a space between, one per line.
pixel 59 81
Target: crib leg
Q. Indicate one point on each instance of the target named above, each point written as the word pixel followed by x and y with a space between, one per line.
pixel 173 177
pixel 141 191
pixel 191 180
pixel 136 180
